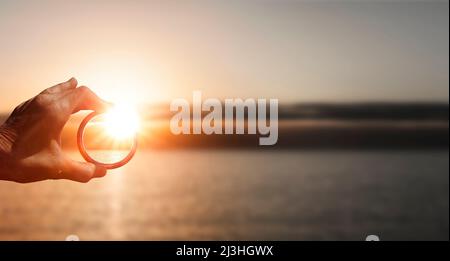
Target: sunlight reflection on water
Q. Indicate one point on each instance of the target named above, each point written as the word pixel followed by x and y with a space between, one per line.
pixel 241 195
pixel 108 156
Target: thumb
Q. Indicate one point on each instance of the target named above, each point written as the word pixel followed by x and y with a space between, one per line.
pixel 81 171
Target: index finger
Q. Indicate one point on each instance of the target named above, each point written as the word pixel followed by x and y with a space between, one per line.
pixel 61 87
pixel 82 98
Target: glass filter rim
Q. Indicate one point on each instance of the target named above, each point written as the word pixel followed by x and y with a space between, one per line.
pixel 88 158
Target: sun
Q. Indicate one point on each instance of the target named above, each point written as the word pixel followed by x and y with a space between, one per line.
pixel 121 121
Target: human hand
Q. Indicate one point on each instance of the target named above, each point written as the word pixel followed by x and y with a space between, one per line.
pixel 30 139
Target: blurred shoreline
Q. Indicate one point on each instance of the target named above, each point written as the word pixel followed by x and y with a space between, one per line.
pixel 308 126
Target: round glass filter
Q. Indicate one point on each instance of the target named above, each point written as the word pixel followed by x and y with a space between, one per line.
pixel 105 141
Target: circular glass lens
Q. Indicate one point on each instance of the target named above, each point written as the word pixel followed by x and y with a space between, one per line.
pixel 105 141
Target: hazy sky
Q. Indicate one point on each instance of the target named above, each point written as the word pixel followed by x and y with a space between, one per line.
pixel 148 51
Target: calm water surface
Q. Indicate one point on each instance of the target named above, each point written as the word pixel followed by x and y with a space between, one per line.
pixel 300 195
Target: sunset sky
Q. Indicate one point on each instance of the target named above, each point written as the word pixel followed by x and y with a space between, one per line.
pixel 297 51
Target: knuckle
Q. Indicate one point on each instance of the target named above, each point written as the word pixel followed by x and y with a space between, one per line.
pixel 46 91
pixel 17 109
pixel 41 101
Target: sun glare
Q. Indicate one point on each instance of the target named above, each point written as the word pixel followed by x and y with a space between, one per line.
pixel 121 121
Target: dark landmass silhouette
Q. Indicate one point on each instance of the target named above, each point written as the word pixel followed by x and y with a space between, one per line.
pixel 376 125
